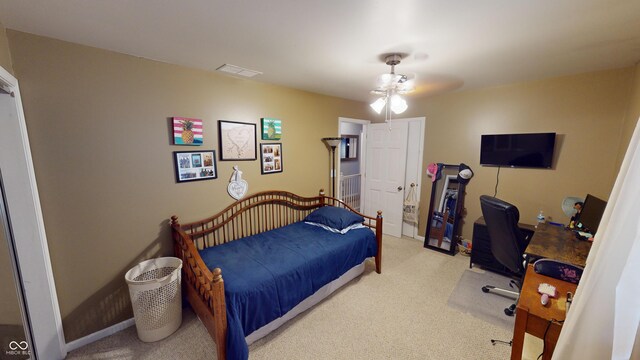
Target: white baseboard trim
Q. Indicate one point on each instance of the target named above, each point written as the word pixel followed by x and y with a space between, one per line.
pixel 418 237
pixel 78 343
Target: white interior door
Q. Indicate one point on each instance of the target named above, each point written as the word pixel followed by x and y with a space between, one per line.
pixel 385 173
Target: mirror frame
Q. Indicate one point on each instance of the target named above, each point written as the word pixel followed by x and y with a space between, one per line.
pixel 457 216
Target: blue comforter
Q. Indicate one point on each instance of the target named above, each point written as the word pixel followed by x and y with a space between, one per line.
pixel 267 274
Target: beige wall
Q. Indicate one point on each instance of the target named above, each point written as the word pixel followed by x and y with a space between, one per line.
pixel 100 137
pixel 5 54
pixel 632 115
pixel 586 111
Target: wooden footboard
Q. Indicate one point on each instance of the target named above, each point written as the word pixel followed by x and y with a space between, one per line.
pixel 257 213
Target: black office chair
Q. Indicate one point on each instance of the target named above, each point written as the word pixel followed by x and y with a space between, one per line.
pixel 508 243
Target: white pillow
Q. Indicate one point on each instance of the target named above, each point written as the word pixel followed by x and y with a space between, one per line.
pixel 334 230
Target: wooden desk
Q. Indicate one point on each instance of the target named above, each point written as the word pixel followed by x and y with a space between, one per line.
pixel 532 317
pixel 558 243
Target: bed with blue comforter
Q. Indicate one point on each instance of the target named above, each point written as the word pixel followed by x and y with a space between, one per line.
pixel 267 274
pixel 274 249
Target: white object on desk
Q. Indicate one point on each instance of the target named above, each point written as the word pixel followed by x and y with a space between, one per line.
pixel 545 288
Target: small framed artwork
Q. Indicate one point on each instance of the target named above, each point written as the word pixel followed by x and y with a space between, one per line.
pixel 195 165
pixel 349 147
pixel 237 140
pixel 187 131
pixel 271 158
pixel 271 129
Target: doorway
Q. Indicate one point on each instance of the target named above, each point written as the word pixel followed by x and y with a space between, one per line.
pixel 350 154
pixel 357 177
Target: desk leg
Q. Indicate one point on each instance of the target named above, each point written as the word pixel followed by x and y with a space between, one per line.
pixel 519 329
pixel 551 340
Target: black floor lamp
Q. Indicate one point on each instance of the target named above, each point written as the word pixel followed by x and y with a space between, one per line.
pixel 332 142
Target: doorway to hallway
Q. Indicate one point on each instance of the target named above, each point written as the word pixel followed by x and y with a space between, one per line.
pixel 380 172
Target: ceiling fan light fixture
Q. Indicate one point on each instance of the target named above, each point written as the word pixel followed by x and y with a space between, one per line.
pixel 390 87
pixel 379 104
pixel 385 79
pixel 398 104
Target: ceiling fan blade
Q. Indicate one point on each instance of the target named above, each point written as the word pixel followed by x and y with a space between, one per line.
pixel 407 86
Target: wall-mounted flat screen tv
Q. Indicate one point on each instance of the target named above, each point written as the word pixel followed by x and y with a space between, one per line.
pixel 518 150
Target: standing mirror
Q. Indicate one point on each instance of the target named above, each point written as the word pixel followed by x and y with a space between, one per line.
pixel 445 208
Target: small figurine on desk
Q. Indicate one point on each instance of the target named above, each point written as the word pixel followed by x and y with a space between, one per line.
pixel 578 207
pixel 569 301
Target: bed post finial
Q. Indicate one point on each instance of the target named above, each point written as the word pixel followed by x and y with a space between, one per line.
pixel 217 275
pixel 174 221
pixel 321 194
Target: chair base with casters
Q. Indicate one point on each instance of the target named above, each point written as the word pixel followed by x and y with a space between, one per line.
pixel 494 341
pixel 511 310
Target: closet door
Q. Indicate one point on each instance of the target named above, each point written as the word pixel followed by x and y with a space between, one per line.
pixel 26 240
pixel 14 328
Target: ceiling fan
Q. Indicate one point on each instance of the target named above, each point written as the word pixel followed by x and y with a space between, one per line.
pixel 391 86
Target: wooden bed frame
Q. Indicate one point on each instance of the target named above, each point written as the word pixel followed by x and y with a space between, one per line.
pixel 257 213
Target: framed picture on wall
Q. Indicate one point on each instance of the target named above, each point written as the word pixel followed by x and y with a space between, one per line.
pixel 195 165
pixel 271 158
pixel 187 131
pixel 237 140
pixel 271 129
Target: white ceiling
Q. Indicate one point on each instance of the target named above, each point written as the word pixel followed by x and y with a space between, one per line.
pixel 333 46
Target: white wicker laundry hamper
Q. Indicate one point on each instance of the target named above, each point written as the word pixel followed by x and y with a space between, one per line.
pixel 156 297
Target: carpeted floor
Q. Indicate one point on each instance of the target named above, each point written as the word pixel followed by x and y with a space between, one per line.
pixel 400 314
pixel 468 297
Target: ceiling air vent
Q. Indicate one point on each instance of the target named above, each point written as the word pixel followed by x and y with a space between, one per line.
pixel 237 70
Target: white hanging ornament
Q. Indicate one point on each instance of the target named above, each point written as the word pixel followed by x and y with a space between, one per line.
pixel 237 186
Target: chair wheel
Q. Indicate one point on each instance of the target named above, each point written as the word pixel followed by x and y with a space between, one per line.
pixel 510 310
pixel 485 289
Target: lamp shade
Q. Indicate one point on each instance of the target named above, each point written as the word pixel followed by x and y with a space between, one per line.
pixel 378 105
pixel 398 104
pixel 332 141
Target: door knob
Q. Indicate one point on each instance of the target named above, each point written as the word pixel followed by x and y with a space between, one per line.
pixel 399 188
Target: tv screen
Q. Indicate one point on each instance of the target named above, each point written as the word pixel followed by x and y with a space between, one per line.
pixel 518 150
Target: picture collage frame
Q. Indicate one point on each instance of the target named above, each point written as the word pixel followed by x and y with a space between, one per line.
pixel 271 158
pixel 195 165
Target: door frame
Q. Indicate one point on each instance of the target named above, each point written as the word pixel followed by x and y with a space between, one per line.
pixel 30 241
pixel 421 120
